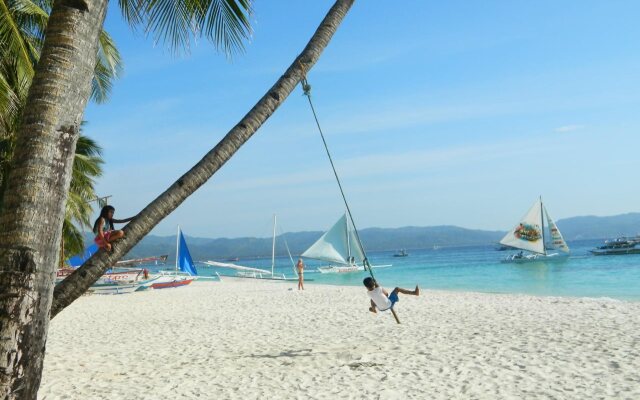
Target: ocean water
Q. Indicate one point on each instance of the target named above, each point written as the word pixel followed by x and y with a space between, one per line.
pixel 479 269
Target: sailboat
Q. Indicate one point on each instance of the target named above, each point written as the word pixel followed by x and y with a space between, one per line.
pixel 185 271
pixel 244 273
pixel 339 247
pixel 531 235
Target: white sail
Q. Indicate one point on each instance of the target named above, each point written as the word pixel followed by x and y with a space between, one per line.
pixel 333 246
pixel 356 251
pixel 527 235
pixel 557 241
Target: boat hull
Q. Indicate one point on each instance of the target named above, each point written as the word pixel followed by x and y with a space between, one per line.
pixel 113 289
pixel 535 258
pixel 347 269
pixel 615 252
pixel 173 282
pixel 130 276
pixel 124 276
pixel 334 269
pixel 248 278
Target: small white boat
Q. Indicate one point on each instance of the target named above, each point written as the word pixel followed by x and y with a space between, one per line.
pixel 251 276
pixel 341 269
pixel 530 236
pixel 114 288
pixel 402 253
pixel 246 273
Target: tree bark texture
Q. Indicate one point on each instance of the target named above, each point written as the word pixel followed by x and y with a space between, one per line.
pixel 34 201
pixel 77 283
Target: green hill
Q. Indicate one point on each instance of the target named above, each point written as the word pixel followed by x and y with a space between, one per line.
pixel 379 239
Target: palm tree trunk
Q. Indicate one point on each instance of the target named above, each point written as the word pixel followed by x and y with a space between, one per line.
pixel 78 282
pixel 34 201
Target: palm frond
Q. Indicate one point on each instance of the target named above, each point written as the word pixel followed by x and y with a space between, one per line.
pixel 14 86
pixel 73 239
pixel 176 23
pixel 108 68
pixel 226 22
pixel 87 165
pixel 9 103
pixel 16 20
pixel 31 16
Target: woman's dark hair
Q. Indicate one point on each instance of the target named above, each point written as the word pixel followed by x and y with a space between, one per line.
pixel 104 213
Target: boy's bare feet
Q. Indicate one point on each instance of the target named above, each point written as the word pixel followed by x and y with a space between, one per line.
pixel 373 310
pixel 417 291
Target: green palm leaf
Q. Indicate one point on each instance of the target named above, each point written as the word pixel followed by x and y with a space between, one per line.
pixel 108 68
pixel 176 23
pixel 11 38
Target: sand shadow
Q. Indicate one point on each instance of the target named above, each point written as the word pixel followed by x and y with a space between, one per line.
pixel 286 354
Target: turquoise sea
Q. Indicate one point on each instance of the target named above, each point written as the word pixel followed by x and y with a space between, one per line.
pixel 478 269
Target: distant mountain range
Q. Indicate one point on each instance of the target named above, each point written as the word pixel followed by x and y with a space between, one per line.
pixel 379 239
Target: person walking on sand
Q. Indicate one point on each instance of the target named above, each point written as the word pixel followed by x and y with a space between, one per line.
pixel 300 268
pixel 104 230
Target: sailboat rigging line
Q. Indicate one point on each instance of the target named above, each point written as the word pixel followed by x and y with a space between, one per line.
pixel 306 88
pixel 293 264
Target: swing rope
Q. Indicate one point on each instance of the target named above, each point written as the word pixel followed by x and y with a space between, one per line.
pixel 306 88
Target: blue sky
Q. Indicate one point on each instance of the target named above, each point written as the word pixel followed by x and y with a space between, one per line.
pixel 436 113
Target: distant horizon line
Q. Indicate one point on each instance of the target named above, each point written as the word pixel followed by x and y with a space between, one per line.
pixel 393 228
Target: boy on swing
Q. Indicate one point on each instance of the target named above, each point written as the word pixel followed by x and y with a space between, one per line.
pixel 382 300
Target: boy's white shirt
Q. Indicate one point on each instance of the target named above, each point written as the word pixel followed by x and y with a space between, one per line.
pixel 379 298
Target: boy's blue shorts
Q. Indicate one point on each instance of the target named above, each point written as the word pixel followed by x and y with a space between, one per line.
pixel 393 298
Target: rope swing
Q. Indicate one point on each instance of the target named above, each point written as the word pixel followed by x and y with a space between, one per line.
pixel 306 89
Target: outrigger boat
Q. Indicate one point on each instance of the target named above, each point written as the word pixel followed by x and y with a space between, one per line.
pixel 185 271
pixel 244 273
pixel 530 236
pixel 338 246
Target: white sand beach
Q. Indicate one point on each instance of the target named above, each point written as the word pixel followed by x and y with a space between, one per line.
pixel 262 340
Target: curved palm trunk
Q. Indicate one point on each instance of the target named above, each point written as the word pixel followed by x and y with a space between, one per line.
pixel 34 201
pixel 78 282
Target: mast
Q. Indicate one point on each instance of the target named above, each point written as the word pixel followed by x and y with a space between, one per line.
pixel 544 247
pixel 177 249
pixel 273 245
pixel 346 227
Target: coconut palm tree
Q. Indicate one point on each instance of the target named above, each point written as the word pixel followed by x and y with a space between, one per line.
pixel 36 187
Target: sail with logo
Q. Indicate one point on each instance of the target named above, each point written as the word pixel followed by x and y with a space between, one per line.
pixel 540 241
